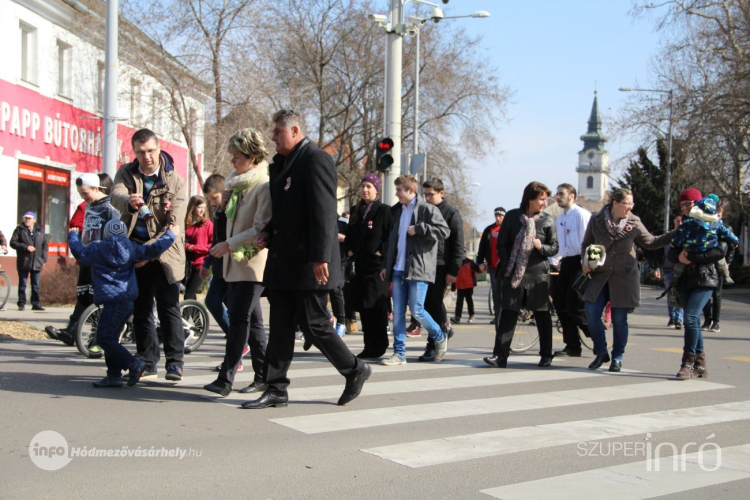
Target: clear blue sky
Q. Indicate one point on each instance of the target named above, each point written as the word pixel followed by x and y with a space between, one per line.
pixel 552 53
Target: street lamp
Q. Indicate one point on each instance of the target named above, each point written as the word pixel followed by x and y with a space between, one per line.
pixel 669 147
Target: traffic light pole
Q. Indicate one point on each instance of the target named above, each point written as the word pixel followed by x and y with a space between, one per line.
pixel 393 97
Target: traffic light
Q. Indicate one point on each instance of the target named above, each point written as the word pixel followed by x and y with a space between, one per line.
pixel 384 154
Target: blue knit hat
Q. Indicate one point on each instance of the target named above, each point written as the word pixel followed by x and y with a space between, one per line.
pixel 708 205
pixel 114 228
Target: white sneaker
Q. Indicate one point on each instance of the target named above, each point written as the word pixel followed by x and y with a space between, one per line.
pixel 441 348
pixel 394 360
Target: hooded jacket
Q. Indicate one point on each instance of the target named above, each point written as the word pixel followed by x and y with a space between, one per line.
pixel 113 261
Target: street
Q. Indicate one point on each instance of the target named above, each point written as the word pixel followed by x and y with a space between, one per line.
pixel 458 429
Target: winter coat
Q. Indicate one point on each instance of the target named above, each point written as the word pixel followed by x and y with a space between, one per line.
pixel 421 249
pixel 620 269
pixel 113 261
pixel 467 275
pixel 22 239
pixel 253 213
pixel 96 216
pixel 303 228
pixel 220 234
pixel 198 241
pixel 533 291
pixel 485 246
pixel 451 250
pixel 702 273
pixel 365 238
pixel 167 203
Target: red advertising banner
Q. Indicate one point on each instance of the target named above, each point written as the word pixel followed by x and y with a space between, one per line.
pixel 59 178
pixel 31 173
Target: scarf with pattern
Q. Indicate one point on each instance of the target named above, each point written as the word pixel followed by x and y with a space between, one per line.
pixel 617 230
pixel 522 248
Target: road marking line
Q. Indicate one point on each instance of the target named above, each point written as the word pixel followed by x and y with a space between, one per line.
pixel 646 479
pixel 744 359
pixel 676 350
pixel 495 443
pixel 361 419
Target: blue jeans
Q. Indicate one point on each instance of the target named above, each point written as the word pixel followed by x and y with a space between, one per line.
pixel 216 297
pixel 675 313
pixel 596 327
pixel 694 300
pixel 414 292
pixel 23 276
pixel 111 322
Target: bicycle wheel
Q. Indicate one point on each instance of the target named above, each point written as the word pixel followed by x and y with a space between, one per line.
pixel 85 335
pixel 523 339
pixel 4 289
pixel 195 323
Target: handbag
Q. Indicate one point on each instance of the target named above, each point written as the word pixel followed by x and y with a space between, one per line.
pixel 580 284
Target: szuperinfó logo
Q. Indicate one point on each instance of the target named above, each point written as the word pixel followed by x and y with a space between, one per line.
pixel 49 450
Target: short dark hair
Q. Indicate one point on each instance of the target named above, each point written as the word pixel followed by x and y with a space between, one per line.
pixel 143 136
pixel 105 182
pixel 434 183
pixel 213 183
pixel 569 188
pixel 532 192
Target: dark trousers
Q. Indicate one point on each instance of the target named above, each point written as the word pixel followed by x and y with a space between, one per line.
pixel 349 311
pixel 111 322
pixel 433 302
pixel 245 327
pixel 468 295
pixel 568 304
pixel 192 283
pixel 84 297
pixel 712 310
pixel 337 305
pixel 497 291
pixel 217 298
pixel 375 329
pixel 23 277
pixel 506 327
pixel 153 284
pixel 308 309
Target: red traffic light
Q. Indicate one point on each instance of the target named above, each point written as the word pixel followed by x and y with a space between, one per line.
pixel 385 144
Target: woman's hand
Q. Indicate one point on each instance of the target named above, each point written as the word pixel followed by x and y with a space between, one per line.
pixel 220 249
pixel 683 258
pixel 586 269
pixel 225 195
pixel 537 243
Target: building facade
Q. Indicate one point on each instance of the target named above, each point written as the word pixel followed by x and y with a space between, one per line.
pixel 51 108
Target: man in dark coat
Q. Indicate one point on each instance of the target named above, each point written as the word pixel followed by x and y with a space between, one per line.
pixel 30 244
pixel 489 261
pixel 449 259
pixel 303 261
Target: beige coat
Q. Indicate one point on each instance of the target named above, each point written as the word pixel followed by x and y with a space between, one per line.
pixel 620 267
pixel 253 214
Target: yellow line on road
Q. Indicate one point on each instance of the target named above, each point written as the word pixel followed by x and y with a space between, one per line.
pixel 744 359
pixel 676 350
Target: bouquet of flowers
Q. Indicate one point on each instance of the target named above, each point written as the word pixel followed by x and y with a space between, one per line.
pixel 595 256
pixel 245 252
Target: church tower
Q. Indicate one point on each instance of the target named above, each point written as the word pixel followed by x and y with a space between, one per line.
pixel 593 160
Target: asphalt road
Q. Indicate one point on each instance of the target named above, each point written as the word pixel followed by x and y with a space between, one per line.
pixel 453 430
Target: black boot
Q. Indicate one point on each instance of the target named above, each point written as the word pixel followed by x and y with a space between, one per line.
pixel 429 352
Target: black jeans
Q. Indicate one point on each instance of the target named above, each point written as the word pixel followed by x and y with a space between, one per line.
pixel 506 327
pixel 23 277
pixel 111 322
pixel 349 311
pixel 497 291
pixel 568 304
pixel 375 329
pixel 712 310
pixel 153 284
pixel 468 295
pixel 192 283
pixel 245 327
pixel 308 309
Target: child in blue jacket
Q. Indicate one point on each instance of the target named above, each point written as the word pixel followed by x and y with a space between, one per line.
pixel 112 262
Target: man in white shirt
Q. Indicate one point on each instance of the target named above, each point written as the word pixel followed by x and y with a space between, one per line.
pixel 571 226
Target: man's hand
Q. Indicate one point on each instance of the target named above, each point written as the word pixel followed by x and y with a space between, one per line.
pixel 482 267
pixel 141 264
pixel 377 252
pixel 262 240
pixel 586 269
pixel 382 275
pixel 320 269
pixel 342 237
pixel 175 229
pixel 134 200
pixel 537 243
pixel 204 273
pixel 411 231
pixel 220 249
pixel 30 248
pixel 450 279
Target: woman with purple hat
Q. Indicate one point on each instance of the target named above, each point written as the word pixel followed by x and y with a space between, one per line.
pixel 367 245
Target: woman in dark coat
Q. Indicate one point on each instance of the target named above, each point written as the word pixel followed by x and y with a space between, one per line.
pixel 526 239
pixel 618 281
pixel 367 245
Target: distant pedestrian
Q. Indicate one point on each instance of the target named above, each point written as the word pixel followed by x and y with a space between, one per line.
pixel 466 281
pixel 667 268
pixel 199 235
pixel 30 244
pixel 489 260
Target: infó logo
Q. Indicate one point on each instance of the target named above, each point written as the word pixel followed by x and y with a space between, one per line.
pixel 49 450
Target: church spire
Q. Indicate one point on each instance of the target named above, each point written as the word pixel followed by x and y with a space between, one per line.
pixel 594 138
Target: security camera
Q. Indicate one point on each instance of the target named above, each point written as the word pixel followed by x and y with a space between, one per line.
pixel 377 18
pixel 437 15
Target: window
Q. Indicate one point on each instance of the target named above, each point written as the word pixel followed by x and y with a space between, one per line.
pixel 64 68
pixel 100 86
pixel 590 182
pixel 28 53
pixel 46 191
pixel 135 102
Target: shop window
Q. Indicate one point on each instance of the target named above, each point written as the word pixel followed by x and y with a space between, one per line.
pixel 46 191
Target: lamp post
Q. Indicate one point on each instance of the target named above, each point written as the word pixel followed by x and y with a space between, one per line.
pixel 668 170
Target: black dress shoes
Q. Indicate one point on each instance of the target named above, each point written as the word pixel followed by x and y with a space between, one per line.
pixel 495 361
pixel 354 386
pixel 254 387
pixel 545 361
pixel 429 353
pixel 599 361
pixel 566 352
pixel 267 400
pixel 616 365
pixel 220 387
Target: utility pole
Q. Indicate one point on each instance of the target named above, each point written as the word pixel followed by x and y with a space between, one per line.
pixel 393 95
pixel 111 76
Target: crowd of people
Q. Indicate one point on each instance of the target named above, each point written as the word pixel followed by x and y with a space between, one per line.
pixel 272 230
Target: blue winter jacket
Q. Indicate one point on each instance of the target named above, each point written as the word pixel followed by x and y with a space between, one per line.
pixel 112 263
